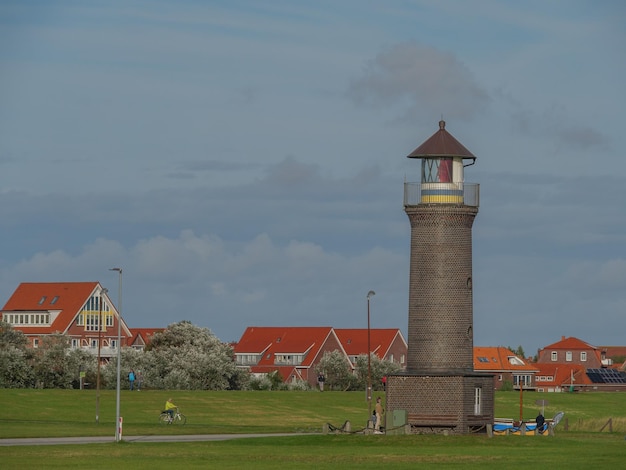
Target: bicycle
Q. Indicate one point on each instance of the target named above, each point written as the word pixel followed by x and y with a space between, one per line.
pixel 176 418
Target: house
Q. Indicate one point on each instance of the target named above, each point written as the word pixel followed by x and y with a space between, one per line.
pixel 386 343
pixel 292 351
pixel 141 337
pixel 616 354
pixel 506 366
pixel 572 364
pixel 81 310
pixel 560 377
pixel 573 351
pixel 295 351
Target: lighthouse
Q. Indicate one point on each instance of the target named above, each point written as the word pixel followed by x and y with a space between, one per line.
pixel 439 392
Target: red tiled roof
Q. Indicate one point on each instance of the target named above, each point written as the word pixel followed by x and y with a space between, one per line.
pixel 282 340
pixel 497 359
pixel 614 351
pixel 39 296
pixel 144 333
pixel 354 341
pixel 563 375
pixel 569 343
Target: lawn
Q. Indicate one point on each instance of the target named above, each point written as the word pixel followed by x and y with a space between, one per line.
pixel 72 412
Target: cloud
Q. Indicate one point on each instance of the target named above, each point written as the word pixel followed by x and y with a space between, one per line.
pixel 421 81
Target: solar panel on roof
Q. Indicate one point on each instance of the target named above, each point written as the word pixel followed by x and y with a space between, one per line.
pixel 607 376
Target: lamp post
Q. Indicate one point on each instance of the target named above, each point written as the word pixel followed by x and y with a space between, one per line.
pixel 102 294
pixel 119 354
pixel 369 359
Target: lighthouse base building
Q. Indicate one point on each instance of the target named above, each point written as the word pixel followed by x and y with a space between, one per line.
pixel 427 403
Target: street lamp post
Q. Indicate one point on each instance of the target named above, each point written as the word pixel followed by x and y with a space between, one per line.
pixel 102 294
pixel 119 354
pixel 369 359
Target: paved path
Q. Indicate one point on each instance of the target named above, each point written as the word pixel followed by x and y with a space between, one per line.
pixel 104 439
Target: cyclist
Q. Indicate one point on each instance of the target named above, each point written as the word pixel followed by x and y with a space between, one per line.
pixel 170 407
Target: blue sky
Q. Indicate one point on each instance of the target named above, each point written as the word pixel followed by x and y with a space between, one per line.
pixel 244 161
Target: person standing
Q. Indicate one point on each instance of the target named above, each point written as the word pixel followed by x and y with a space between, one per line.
pixel 379 415
pixel 131 379
pixel 320 381
pixel 139 380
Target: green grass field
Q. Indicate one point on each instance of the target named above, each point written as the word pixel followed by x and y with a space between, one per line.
pixel 42 413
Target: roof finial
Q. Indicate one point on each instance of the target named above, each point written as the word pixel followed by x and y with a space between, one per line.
pixel 442 123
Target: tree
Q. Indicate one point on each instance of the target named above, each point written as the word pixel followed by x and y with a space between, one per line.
pixel 15 358
pixel 15 370
pixel 50 363
pixel 337 370
pixel 130 358
pixel 379 368
pixel 187 357
pixel 9 337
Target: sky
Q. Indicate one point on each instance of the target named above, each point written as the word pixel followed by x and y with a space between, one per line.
pixel 243 162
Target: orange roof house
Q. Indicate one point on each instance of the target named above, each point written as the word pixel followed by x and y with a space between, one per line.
pixel 141 337
pixel 294 351
pixel 386 343
pixel 560 377
pixel 573 364
pixel 572 351
pixel 81 310
pixel 506 367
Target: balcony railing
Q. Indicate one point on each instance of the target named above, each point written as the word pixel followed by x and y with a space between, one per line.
pixel 466 194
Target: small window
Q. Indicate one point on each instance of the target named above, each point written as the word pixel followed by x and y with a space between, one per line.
pixel 568 356
pixel 36 343
pixel 583 356
pixel 554 356
pixel 477 401
pixel 54 300
pixel 42 300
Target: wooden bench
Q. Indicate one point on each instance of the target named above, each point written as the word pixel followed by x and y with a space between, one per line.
pixel 432 421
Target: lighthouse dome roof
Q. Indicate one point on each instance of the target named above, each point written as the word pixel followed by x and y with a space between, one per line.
pixel 441 144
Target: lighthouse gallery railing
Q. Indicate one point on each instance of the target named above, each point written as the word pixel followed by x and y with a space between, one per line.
pixel 467 194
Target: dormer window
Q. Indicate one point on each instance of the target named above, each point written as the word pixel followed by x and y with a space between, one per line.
pixel 515 361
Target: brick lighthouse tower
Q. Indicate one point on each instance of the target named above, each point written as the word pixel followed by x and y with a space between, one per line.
pixel 439 391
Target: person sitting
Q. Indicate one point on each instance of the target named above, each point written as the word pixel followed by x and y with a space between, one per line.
pixel 541 421
pixel 170 407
